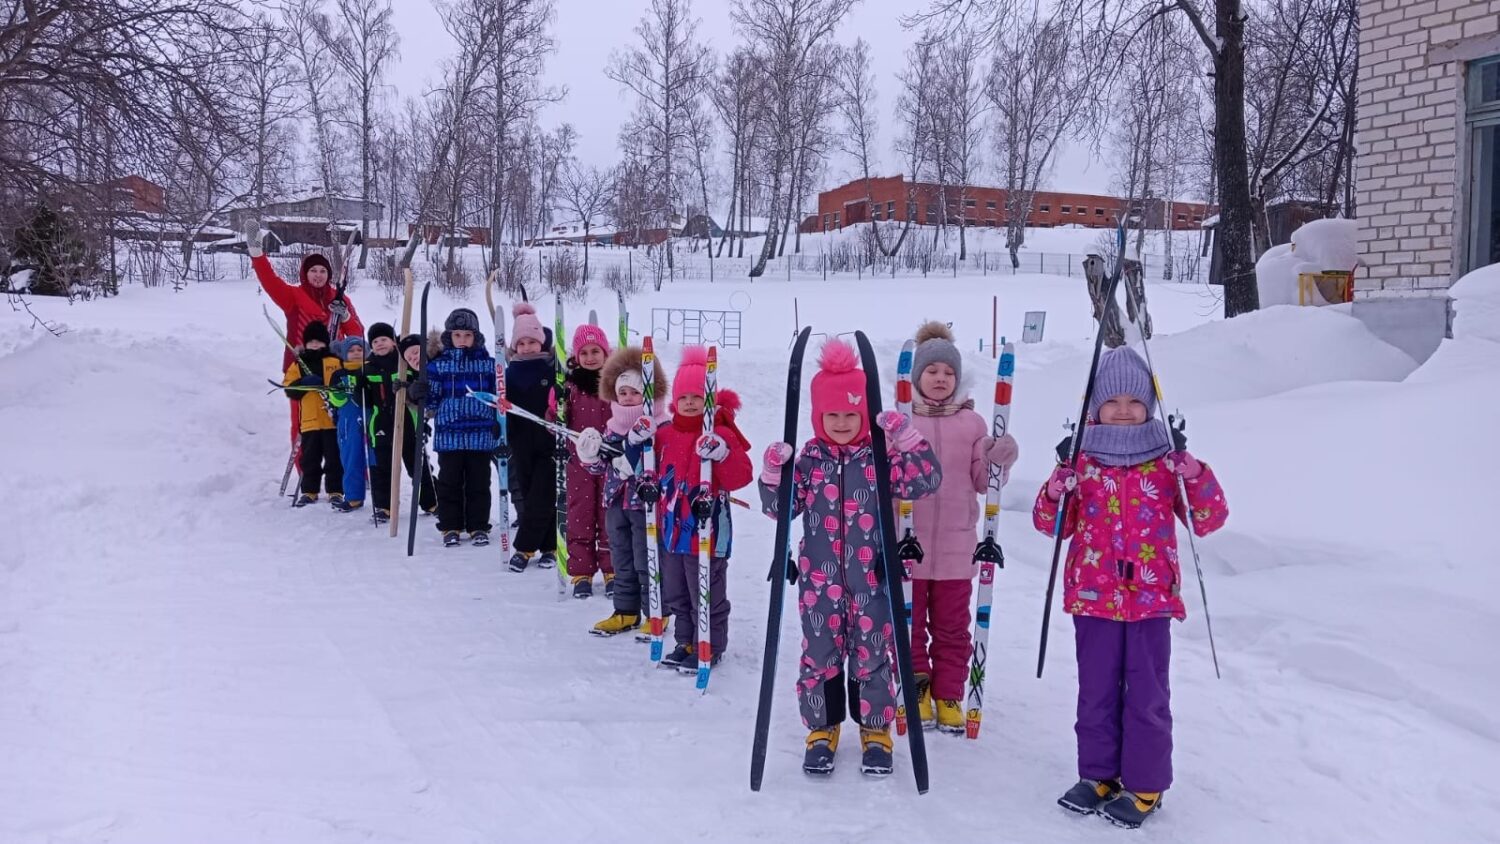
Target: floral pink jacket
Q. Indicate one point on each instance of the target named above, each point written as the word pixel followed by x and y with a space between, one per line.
pixel 1122 564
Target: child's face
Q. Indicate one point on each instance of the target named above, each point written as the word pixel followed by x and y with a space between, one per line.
pixel 629 396
pixel 591 357
pixel 841 427
pixel 413 357
pixel 461 339
pixel 528 346
pixel 356 354
pixel 690 405
pixel 1122 410
pixel 937 381
pixel 383 345
pixel 314 345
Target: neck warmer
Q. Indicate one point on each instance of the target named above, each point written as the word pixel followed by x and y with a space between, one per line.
pixel 1126 445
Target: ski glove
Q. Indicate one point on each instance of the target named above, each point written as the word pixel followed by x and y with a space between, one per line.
pixel 1184 464
pixel 643 429
pixel 776 456
pixel 903 436
pixel 338 311
pixel 252 239
pixel 417 391
pixel 1002 450
pixel 589 443
pixel 712 447
pixel 1063 480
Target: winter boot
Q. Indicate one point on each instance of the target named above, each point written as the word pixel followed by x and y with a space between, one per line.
pixel 609 585
pixel 643 633
pixel 583 587
pixel 518 561
pixel 616 624
pixel 822 744
pixel 382 516
pixel 548 560
pixel 678 654
pixel 950 717
pixel 1087 796
pixel 924 700
pixel 451 539
pixel 305 499
pixel 430 511
pixel 878 759
pixel 690 663
pixel 479 537
pixel 1129 809
pixel 337 502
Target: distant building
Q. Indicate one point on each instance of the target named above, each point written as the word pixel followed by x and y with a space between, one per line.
pixel 312 217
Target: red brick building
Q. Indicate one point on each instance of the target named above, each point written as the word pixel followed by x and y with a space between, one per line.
pixel 981 206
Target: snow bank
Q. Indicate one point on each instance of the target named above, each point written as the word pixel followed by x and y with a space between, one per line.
pixel 1317 246
pixel 1476 304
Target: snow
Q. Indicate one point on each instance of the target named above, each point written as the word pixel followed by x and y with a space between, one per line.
pixel 20 281
pixel 1317 246
pixel 1476 304
pixel 187 659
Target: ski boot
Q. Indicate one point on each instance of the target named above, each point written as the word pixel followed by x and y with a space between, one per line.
pixel 1087 795
pixel 609 586
pixel 620 622
pixel 451 539
pixel 382 516
pixel 676 657
pixel 479 538
pixel 583 587
pixel 950 717
pixel 878 759
pixel 821 746
pixel 548 560
pixel 305 499
pixel 338 502
pixel 1130 809
pixel 518 561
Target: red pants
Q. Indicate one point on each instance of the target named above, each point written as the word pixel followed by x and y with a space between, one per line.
pixel 588 540
pixel 940 643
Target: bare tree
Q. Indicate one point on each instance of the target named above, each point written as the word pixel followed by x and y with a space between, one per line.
pixel 587 191
pixel 270 82
pixel 364 44
pixel 700 139
pixel 787 33
pixel 519 32
pixel 737 97
pixel 914 110
pixel 960 132
pixel 308 32
pixel 855 83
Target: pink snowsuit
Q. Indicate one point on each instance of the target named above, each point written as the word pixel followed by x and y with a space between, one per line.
pixel 942 584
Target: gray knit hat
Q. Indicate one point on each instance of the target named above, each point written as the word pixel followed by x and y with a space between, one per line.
pixel 935 345
pixel 1122 372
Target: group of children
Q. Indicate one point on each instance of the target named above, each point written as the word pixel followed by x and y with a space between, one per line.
pixel 1121 583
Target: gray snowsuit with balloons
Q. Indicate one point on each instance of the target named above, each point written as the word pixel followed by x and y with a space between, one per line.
pixel 842 599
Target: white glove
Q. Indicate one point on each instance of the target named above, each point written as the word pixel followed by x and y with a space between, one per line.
pixel 712 447
pixel 252 238
pixel 643 430
pixel 589 443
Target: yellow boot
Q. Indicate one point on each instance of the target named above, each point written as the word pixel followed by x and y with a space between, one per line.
pixel 950 716
pixel 878 759
pixel 822 744
pixel 616 624
pixel 924 700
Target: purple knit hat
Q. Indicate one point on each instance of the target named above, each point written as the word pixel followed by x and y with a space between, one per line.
pixel 1122 372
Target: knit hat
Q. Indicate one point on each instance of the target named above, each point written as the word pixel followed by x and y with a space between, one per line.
pixel 526 325
pixel 692 374
pixel 313 260
pixel 935 345
pixel 839 387
pixel 341 348
pixel 381 329
pixel 315 331
pixel 1122 372
pixel 624 367
pixel 410 340
pixel 589 335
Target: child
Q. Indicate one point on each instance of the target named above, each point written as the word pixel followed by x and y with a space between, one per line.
pixel 320 444
pixel 588 544
pixel 465 428
pixel 529 380
pixel 350 407
pixel 942 584
pixel 380 392
pixel 1122 585
pixel 680 449
pixel 843 602
pixel 621 384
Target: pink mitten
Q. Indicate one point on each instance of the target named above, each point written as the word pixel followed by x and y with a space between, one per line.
pixel 1184 464
pixel 1002 451
pixel 776 456
pixel 899 431
pixel 1063 480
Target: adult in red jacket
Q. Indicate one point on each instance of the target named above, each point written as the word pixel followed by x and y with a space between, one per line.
pixel 309 301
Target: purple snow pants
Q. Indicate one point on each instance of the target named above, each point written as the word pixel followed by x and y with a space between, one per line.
pixel 1124 704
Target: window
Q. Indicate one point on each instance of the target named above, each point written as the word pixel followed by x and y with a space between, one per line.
pixel 1483 123
pixel 827 218
pixel 1197 218
pixel 1045 208
pixel 876 214
pixel 969 203
pixel 1082 210
pixel 890 209
pixel 1182 218
pixel 835 219
pixel 990 204
pixel 1098 212
pixel 988 221
pixel 1066 209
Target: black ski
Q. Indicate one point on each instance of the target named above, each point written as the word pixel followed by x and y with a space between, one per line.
pixel 782 571
pixel 1077 442
pixel 420 468
pixel 889 563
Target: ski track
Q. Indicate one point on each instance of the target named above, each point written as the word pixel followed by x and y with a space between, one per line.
pixel 185 658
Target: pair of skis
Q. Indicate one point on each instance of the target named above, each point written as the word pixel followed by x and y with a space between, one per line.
pixel 781 571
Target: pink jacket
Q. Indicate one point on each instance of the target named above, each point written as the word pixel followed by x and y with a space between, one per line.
pixel 945 521
pixel 1122 564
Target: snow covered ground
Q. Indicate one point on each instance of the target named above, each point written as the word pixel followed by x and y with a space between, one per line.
pixel 183 658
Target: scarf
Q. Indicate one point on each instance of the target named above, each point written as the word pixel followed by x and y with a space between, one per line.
pixel 927 407
pixel 622 417
pixel 1126 445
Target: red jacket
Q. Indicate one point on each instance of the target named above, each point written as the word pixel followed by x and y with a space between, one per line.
pixel 678 468
pixel 302 303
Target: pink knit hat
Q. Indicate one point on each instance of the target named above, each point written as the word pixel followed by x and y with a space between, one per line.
pixel 526 324
pixel 839 387
pixel 692 374
pixel 589 335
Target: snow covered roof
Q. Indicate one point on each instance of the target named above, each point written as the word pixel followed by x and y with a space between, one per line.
pixel 1210 221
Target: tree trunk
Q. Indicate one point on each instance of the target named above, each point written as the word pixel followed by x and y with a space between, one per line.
pixel 1235 212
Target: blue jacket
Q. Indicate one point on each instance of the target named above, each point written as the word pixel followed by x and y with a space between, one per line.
pixel 462 422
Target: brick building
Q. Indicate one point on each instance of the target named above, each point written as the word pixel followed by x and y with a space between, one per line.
pixel 1427 172
pixel 847 205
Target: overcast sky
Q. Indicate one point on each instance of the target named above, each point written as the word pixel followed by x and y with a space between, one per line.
pixel 586 31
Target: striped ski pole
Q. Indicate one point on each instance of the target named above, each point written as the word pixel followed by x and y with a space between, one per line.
pixel 703 510
pixel 988 554
pixel 908 549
